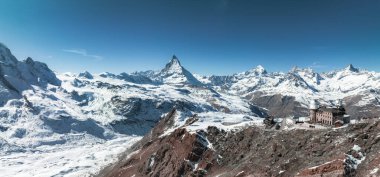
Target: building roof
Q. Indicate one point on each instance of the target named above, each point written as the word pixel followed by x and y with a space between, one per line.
pixel 335 111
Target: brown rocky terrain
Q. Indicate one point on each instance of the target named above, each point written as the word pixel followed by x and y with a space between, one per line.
pixel 253 151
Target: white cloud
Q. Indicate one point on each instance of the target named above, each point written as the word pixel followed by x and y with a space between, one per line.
pixel 83 52
pixel 317 65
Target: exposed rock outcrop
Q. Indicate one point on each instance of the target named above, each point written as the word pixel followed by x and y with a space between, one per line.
pixel 174 155
pixel 351 151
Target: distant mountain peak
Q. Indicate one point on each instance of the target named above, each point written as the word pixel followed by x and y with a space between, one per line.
pixel 29 61
pixel 86 74
pixel 258 70
pixel 351 68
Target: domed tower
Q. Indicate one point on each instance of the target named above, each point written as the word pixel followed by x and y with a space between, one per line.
pixel 313 111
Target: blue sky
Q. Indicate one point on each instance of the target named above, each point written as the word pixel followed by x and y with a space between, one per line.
pixel 209 37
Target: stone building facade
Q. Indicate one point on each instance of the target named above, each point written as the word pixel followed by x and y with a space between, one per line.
pixel 328 115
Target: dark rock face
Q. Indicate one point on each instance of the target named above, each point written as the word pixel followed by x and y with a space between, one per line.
pixel 65 124
pixel 135 78
pixel 369 110
pixel 257 152
pixel 351 68
pixel 141 115
pixel 279 105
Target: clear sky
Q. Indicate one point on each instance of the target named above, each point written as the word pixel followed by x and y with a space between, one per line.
pixel 209 37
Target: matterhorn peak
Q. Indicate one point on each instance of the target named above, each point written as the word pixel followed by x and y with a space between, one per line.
pixel 351 68
pixel 174 73
pixel 175 61
pixel 174 58
pixel 174 65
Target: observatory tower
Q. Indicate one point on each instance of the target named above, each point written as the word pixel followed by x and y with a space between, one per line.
pixel 313 111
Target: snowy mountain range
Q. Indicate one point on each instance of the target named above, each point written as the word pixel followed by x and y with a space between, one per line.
pixel 74 124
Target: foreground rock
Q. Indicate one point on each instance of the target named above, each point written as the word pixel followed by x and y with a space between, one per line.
pixel 350 151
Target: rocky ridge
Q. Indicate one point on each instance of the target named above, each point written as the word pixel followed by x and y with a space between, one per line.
pixel 253 151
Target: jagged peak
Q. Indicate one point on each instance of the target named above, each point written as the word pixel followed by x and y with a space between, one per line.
pixel 175 58
pixel 351 68
pixel 175 73
pixel 174 65
pixel 175 61
pixel 29 60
